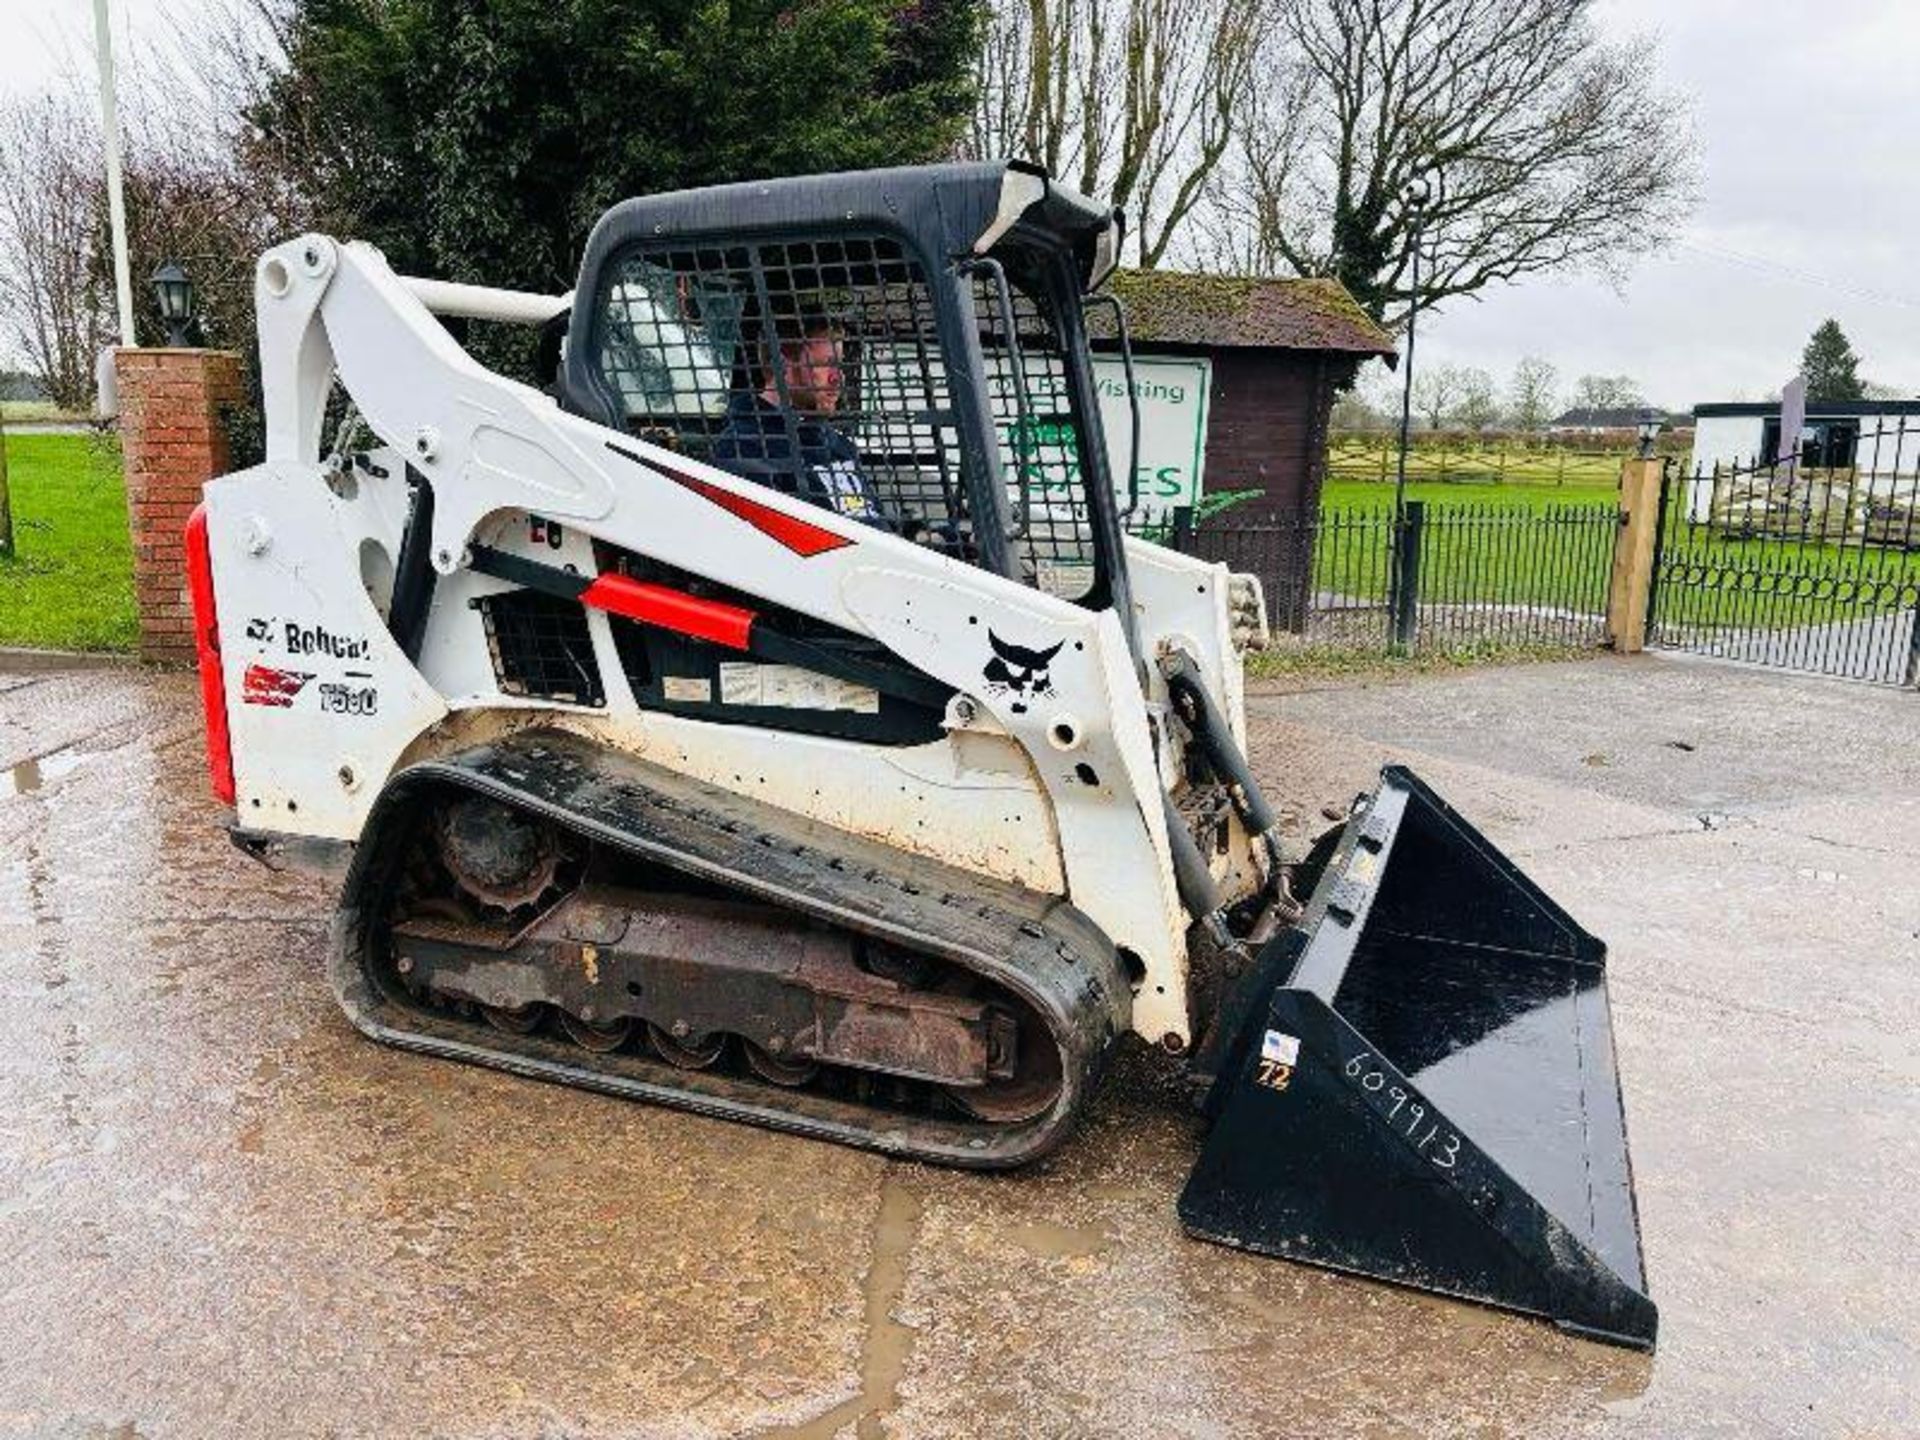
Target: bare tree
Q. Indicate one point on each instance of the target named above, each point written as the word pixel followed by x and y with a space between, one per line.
pixel 1545 147
pixel 247 45
pixel 1250 192
pixel 188 202
pixel 1607 392
pixel 1357 409
pixel 1136 101
pixel 1436 391
pixel 1476 407
pixel 56 313
pixel 1531 393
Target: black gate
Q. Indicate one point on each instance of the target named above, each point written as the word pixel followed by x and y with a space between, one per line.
pixel 1437 576
pixel 1789 565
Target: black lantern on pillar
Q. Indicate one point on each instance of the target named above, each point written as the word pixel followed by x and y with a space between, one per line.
pixel 1649 432
pixel 174 292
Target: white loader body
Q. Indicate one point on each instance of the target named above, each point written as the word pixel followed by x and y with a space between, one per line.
pixel 1063 795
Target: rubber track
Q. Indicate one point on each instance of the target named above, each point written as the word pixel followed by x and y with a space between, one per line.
pixel 1037 946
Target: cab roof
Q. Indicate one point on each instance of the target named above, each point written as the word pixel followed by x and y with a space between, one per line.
pixel 949 209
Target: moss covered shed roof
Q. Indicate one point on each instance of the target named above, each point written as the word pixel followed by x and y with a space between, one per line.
pixel 1171 307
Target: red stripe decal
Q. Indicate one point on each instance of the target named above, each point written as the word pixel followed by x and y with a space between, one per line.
pixel 206 644
pixel 797 535
pixel 670 609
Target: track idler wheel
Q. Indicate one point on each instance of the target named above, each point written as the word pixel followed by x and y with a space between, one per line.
pixel 1027 1093
pixel 689 1052
pixel 514 1019
pixel 777 1071
pixel 601 1039
pixel 1005 1102
pixel 499 855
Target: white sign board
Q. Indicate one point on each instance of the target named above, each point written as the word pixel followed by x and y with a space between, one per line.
pixel 1174 393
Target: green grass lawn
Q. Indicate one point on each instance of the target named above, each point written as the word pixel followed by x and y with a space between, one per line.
pixel 1519 544
pixel 1714 581
pixel 1500 552
pixel 69 582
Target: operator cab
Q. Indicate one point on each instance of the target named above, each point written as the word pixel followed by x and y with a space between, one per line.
pixel 904 346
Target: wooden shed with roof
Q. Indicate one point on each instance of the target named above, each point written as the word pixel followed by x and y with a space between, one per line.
pixel 1278 350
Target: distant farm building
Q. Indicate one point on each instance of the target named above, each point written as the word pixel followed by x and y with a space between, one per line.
pixel 1608 424
pixel 1876 437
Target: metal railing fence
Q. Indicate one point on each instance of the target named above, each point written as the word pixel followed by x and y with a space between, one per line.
pixel 1782 564
pixel 1471 574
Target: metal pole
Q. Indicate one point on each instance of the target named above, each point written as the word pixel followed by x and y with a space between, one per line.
pixel 1406 383
pixel 1912 676
pixel 1395 577
pixel 116 200
pixel 1406 544
pixel 1660 545
pixel 1183 529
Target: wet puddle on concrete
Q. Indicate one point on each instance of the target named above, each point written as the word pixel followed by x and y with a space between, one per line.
pixel 30 775
pixel 1049 1241
pixel 889 1341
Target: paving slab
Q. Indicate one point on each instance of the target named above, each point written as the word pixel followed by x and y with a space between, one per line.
pixel 222 1212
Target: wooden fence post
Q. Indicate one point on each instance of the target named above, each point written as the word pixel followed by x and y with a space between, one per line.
pixel 1632 581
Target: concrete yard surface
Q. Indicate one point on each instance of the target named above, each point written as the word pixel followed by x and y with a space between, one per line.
pixel 224 1213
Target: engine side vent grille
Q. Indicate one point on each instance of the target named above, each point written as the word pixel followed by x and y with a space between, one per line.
pixel 541 648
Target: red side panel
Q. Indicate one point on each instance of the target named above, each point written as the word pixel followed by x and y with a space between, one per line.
pixel 206 643
pixel 797 535
pixel 671 610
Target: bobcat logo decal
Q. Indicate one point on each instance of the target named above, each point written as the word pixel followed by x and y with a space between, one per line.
pixel 264 685
pixel 1020 672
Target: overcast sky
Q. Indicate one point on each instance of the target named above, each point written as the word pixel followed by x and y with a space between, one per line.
pixel 1806 119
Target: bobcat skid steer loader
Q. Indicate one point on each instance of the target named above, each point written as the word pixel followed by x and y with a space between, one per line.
pixel 770 716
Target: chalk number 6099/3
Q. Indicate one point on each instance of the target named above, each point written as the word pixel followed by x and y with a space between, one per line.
pixel 1445 1145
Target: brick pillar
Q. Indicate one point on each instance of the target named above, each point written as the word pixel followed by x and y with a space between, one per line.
pixel 173 442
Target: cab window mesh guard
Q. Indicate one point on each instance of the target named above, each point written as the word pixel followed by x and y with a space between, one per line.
pixel 1039 437
pixel 809 366
pixel 1111 304
pixel 815 367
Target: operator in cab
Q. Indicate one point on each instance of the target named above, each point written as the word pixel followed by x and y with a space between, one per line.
pixel 779 435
